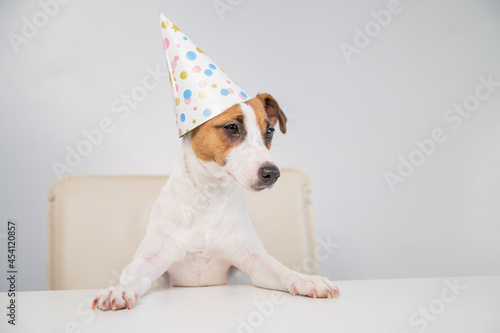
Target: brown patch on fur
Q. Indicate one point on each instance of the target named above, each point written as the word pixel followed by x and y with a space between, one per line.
pixel 210 140
pixel 273 110
pixel 262 120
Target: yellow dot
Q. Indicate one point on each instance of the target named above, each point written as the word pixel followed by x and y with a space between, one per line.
pixel 183 75
pixel 164 24
pixel 180 132
pixel 199 50
pixel 170 78
pixel 202 94
pixel 177 101
pixel 187 130
pixel 212 101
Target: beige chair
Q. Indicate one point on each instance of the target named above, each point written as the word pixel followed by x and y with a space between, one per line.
pixel 96 222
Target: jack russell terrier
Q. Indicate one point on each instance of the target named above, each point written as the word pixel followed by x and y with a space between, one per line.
pixel 199 227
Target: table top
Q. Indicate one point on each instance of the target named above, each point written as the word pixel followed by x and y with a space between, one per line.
pixel 463 304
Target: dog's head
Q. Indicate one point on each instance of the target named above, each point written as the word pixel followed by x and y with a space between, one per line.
pixel 239 139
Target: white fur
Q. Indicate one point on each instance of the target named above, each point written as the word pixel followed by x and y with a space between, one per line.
pixel 199 228
pixel 244 161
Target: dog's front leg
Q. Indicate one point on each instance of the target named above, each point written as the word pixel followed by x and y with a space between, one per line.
pixel 148 265
pixel 150 262
pixel 135 280
pixel 267 272
pixel 156 253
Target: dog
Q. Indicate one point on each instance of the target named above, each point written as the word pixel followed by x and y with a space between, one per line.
pixel 199 228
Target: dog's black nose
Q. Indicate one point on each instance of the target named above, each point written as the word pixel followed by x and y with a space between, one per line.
pixel 269 174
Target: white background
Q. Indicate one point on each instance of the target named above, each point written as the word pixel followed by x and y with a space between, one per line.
pixel 348 122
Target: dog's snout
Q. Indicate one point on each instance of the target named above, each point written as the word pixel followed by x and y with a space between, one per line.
pixel 269 174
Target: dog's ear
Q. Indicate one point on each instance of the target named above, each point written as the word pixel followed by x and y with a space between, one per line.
pixel 273 110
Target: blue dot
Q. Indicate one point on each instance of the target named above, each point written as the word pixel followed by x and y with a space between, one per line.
pixel 185 38
pixel 224 92
pixel 183 117
pixel 207 112
pixel 212 66
pixel 243 94
pixel 188 93
pixel 190 55
pixel 208 72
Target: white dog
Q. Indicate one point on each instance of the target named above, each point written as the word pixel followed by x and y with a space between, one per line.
pixel 199 227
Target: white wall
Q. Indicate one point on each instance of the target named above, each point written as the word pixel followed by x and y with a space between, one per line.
pixel 349 122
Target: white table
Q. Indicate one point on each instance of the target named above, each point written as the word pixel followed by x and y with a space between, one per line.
pixel 364 306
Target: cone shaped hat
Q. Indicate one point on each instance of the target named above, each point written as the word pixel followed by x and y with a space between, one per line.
pixel 201 90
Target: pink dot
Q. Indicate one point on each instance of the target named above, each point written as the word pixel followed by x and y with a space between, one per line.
pixel 176 58
pixel 173 64
pixel 176 87
pixel 202 84
pixel 229 82
pixel 187 101
pixel 178 45
pixel 166 43
pixel 230 91
pixel 195 108
pixel 196 69
pixel 241 96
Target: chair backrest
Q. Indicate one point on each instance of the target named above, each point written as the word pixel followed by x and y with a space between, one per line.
pixel 96 222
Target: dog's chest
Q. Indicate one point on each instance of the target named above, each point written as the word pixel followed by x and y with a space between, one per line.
pixel 199 268
pixel 198 258
pixel 207 243
pixel 204 232
pixel 206 238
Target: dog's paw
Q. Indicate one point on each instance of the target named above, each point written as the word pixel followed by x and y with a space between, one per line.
pixel 313 286
pixel 115 298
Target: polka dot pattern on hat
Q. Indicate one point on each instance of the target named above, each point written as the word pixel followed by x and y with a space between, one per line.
pixel 201 89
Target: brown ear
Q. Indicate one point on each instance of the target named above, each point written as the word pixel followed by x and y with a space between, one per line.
pixel 273 110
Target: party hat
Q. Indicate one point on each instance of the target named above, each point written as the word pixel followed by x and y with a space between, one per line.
pixel 201 90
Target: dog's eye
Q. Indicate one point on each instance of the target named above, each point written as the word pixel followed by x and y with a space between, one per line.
pixel 231 129
pixel 269 133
